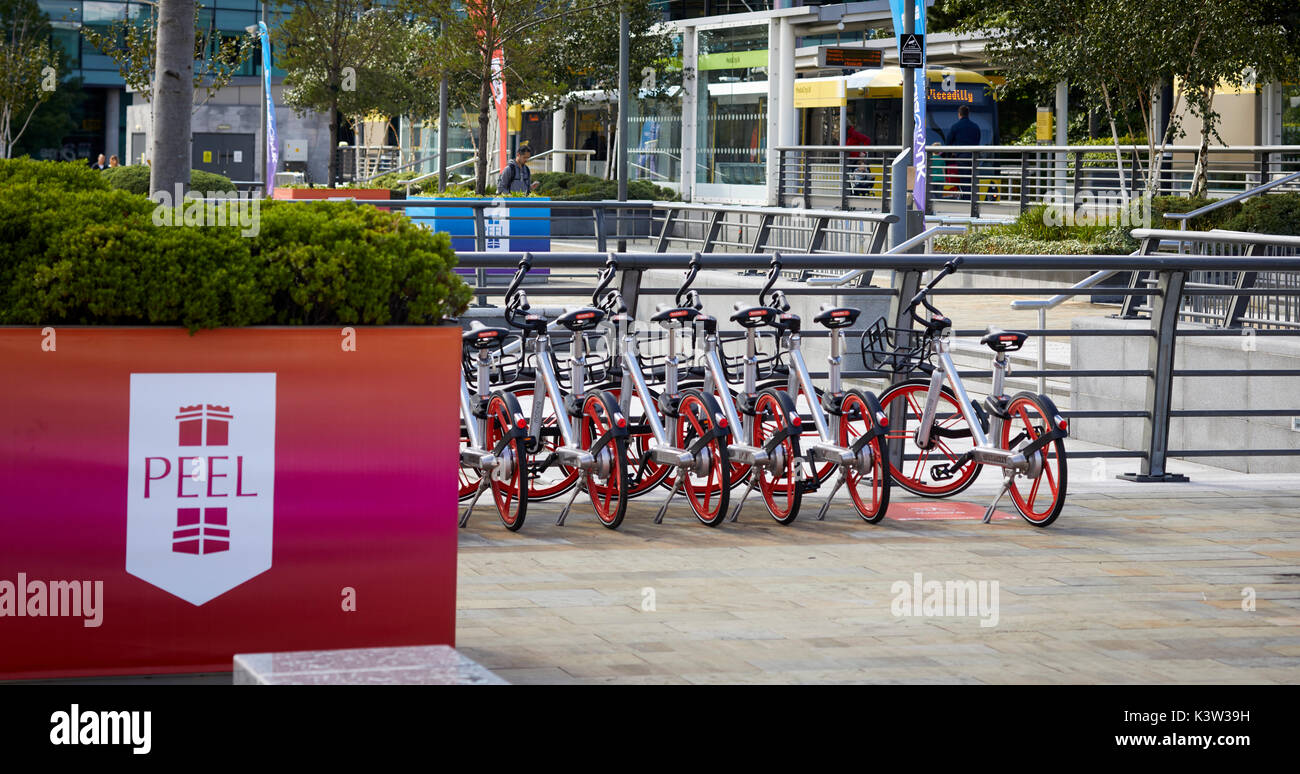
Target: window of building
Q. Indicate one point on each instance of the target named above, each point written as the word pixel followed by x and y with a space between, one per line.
pixel 732 114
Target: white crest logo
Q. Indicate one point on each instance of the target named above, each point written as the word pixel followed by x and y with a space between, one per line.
pixel 199 536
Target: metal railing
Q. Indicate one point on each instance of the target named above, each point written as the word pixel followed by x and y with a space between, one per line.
pixel 1231 295
pixel 1184 217
pixel 1162 332
pixel 1012 178
pixel 356 162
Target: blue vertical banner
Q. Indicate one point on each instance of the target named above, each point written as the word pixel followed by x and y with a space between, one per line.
pixel 919 163
pixel 922 84
pixel 272 145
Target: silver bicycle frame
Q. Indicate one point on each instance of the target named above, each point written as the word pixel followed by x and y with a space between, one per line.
pixel 983 451
pixel 546 385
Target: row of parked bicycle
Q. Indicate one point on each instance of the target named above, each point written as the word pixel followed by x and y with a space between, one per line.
pixel 591 402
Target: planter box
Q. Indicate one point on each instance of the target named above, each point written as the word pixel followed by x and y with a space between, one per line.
pixel 362 194
pixel 172 500
pixel 509 229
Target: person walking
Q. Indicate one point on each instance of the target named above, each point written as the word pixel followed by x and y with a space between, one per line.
pixel 113 162
pixel 516 177
pixel 963 132
pixel 99 163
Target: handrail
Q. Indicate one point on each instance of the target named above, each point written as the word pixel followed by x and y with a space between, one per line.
pixel 1049 148
pixel 1234 237
pixel 1186 216
pixel 1057 300
pixel 901 247
pixel 871 215
pixel 413 163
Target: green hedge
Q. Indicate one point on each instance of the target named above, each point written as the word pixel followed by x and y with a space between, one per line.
pixel 569 186
pixel 80 254
pixel 135 179
pixel 1266 214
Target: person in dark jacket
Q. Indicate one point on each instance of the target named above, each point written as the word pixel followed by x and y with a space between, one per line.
pixel 516 177
pixel 963 132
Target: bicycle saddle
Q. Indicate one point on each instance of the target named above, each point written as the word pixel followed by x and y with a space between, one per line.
pixel 484 338
pixel 838 317
pixel 581 319
pixel 754 316
pixel 1003 341
pixel 678 314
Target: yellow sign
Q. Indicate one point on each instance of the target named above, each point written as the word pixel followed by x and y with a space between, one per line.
pixel 810 93
pixel 207 157
pixel 515 117
pixel 1044 129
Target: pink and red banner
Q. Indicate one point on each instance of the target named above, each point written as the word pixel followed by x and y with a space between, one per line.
pixel 168 500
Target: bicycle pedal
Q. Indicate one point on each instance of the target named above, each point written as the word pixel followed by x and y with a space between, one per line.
pixel 942 472
pixel 806 486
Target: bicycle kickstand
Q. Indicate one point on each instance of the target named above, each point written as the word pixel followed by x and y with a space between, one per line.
pixel 564 513
pixel 482 486
pixel 1007 478
pixel 677 487
pixel 826 506
pixel 753 482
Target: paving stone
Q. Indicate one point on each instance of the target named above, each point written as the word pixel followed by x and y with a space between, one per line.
pixel 1134 584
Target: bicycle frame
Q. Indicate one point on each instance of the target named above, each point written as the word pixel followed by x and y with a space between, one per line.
pixel 715 381
pixel 545 385
pixel 475 426
pixel 801 381
pixel 982 451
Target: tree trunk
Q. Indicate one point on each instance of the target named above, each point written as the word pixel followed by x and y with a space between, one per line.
pixel 333 172
pixel 485 101
pixel 173 96
pixel 1200 178
pixel 1114 136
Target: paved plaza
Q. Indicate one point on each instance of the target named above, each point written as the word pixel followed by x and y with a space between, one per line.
pixel 1135 583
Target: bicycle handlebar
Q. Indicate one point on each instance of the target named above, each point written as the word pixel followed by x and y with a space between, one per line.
pixel 516 300
pixel 692 269
pixel 920 297
pixel 772 274
pixel 606 277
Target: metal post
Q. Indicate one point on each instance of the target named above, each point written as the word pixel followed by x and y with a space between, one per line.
pixel 908 284
pixel 974 185
pixel 844 180
pixel 623 87
pixel 898 191
pixel 1159 397
pixel 1024 179
pixel 444 123
pixel 1042 350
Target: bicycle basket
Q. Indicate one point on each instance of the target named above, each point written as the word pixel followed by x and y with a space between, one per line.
pixel 504 366
pixel 900 350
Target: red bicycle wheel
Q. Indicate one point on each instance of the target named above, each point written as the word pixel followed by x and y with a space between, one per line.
pixel 547 478
pixel 706 485
pixel 777 480
pixel 918 471
pixel 507 482
pixel 1040 496
pixel 869 489
pixel 607 484
pixel 644 474
pixel 469 477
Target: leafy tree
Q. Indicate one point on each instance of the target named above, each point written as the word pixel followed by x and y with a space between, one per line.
pixel 132 45
pixel 1119 52
pixel 29 66
pixel 472 31
pixel 585 58
pixel 354 58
